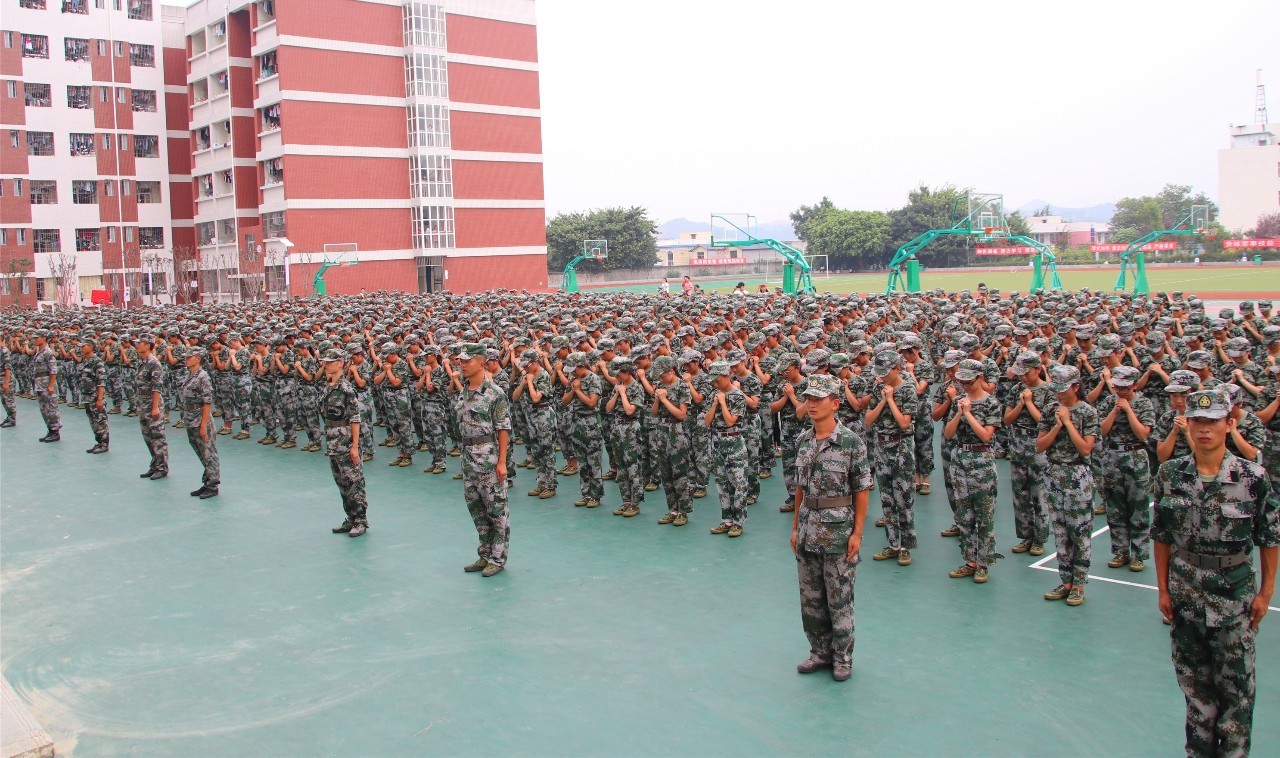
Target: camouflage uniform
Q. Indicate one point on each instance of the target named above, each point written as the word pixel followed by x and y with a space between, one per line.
pixel 309 400
pixel 399 422
pixel 43 366
pixel 93 374
pixel 671 445
pixel 148 376
pixel 1212 527
pixel 830 472
pixel 364 399
pixel 627 439
pixel 974 480
pixel 541 431
pixel 195 391
pixel 895 461
pixel 729 456
pixel 1126 476
pixel 340 409
pixel 587 441
pixel 287 391
pixel 1028 469
pixel 482 414
pixel 7 396
pixel 240 383
pixel 700 434
pixel 435 414
pixel 1069 493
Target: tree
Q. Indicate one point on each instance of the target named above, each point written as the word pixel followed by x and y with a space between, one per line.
pixel 1176 200
pixel 63 268
pixel 808 215
pixel 1018 226
pixel 1138 214
pixel 17 270
pixel 1124 235
pixel 847 237
pixel 1268 227
pixel 1047 210
pixel 629 231
pixel 928 209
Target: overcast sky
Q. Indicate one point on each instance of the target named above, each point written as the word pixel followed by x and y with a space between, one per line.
pixel 693 106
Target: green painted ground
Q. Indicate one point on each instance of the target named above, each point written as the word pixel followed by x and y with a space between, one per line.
pixel 1206 281
pixel 137 620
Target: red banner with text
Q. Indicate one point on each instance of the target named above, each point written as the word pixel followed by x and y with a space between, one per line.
pixel 1150 247
pixel 993 252
pixel 1250 244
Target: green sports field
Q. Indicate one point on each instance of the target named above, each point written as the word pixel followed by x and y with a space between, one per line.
pixel 1222 282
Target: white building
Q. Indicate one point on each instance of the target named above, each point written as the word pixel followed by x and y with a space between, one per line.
pixel 1249 176
pixel 85 163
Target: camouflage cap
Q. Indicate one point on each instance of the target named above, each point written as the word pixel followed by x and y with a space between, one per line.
pixel 1271 335
pixel 787 360
pixel 817 358
pixel 492 355
pixel 885 362
pixel 1234 392
pixel 1063 378
pixel 1026 362
pixel 389 348
pixel 952 358
pixel 469 350
pixel 576 360
pixel 331 355
pixel 1183 381
pixel 1207 404
pixel 838 361
pixel 735 357
pixel 968 370
pixel 192 352
pixel 718 368
pixel 664 363
pixel 559 341
pixel 622 364
pixel 1198 359
pixel 1109 343
pixel 1124 376
pixel 968 342
pixel 1236 347
pixel 822 385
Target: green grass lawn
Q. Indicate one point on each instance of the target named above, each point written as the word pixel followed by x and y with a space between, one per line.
pixel 1203 281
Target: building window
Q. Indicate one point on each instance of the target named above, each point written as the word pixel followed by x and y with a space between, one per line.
pixel 17 187
pixel 128 234
pixel 13 138
pixel 148 192
pixel 270 117
pixel 35 46
pixel 44 192
pixel 143 56
pixel 219 32
pixel 266 11
pixel 146 146
pixel 110 187
pixel 84 192
pixel 433 226
pixel 37 95
pixel 268 65
pixel 106 142
pixel 119 48
pixel 46 240
pixel 111 234
pixel 39 143
pixel 205 233
pixel 423 25
pixel 273 225
pixel 81 144
pixel 104 94
pixel 272 172
pixel 75 6
pixel 75 49
pixel 126 187
pixel 122 95
pixel 426 75
pixel 140 10
pixel 144 100
pixel 79 97
pixel 22 236
pixel 12 86
pixel 88 239
pixel 35 5
pixel 102 48
pixel 204 187
pixel 151 237
pixel 428 126
pixel 431 176
pixel 226 230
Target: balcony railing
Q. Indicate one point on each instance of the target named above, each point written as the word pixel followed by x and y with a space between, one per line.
pixel 35 46
pixel 76 49
pixel 140 10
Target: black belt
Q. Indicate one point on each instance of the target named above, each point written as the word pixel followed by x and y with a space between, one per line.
pixel 590 414
pixel 540 406
pixel 672 420
pixel 975 448
pixel 1129 446
pixel 1212 561
pixel 728 434
pixel 893 436
pixel 336 424
pixel 820 503
pixel 389 388
pixel 1026 430
pixel 482 439
pixel 626 419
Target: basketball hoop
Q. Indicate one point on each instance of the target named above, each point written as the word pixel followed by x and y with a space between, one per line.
pixel 1209 234
pixel 600 259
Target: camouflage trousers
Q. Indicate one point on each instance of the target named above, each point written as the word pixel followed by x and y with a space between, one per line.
pixel 1028 471
pixel 974 481
pixel 364 399
pixel 1215 669
pixel 564 433
pixel 48 405
pixel 265 408
pixel 700 447
pixel 115 384
pixel 790 432
pixel 1069 502
pixel 540 438
pixel 1126 490
pixel 670 444
pixel 895 468
pixel 922 430
pixel 946 452
pixel 826 605
pixel 767 422
pixel 222 393
pixel 309 412
pixel 241 401
pixel 729 461
pixel 627 448
pixel 586 448
pixel 290 404
pixel 753 431
pixel 609 434
pixel 153 434
pixel 435 422
pixel 648 458
pixel 1271 459
pixel 487 503
pixel 207 452
pixel 350 480
pixel 9 404
pixel 399 421
pixel 98 422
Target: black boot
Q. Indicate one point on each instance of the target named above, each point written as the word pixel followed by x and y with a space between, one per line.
pixel 8 424
pixel 146 474
pixel 199 492
pixel 52 436
pixel 209 491
pixel 343 528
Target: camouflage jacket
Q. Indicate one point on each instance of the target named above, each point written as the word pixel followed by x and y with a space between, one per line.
pixel 1041 396
pixel 590 385
pixel 737 404
pixel 1251 428
pixel 1121 431
pixel 1085 419
pixel 987 411
pixel 907 400
pixel 196 390
pixel 148 375
pixel 482 413
pixel 1160 433
pixel 677 394
pixel 340 409
pixel 44 364
pixel 1226 516
pixel 93 374
pixel 635 394
pixel 833 467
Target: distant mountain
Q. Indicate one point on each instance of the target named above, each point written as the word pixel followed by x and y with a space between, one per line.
pixel 1100 213
pixel 779 230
